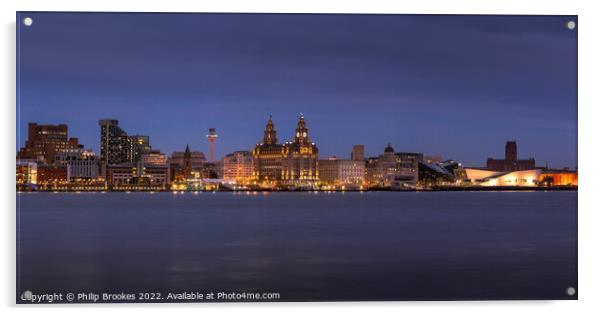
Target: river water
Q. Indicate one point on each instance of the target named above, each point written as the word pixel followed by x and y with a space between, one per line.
pixel 304 246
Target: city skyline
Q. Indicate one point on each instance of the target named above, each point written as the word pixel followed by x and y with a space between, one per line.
pixel 423 92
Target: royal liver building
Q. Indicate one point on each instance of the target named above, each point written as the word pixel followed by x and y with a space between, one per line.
pixel 292 163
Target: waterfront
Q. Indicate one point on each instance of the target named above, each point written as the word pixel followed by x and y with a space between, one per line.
pixel 304 245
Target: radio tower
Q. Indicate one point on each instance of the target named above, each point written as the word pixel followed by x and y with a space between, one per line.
pixel 212 136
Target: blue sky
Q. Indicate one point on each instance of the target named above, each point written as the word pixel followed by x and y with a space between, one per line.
pixel 459 86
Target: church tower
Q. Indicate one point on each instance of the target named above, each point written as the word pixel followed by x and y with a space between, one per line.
pixel 187 168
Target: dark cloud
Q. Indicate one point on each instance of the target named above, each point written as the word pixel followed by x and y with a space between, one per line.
pixel 456 85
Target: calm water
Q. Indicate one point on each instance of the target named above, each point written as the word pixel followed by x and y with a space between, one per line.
pixel 306 246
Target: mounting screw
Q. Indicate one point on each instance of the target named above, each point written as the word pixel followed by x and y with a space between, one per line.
pixel 571 25
pixel 27 21
pixel 570 291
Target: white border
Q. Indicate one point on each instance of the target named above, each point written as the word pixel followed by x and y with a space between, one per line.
pixel 590 101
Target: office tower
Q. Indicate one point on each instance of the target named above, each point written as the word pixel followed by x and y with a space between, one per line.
pixel 44 142
pixel 116 147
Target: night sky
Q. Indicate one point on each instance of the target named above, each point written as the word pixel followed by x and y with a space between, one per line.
pixel 459 86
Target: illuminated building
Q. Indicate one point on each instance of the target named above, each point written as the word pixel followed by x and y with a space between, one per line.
pixel 300 163
pixel 137 145
pixel 521 178
pixel 212 137
pixel 137 177
pixel 268 157
pixel 561 177
pixel 436 158
pixel 434 174
pixel 112 142
pixel 27 172
pixel 45 141
pixel 357 153
pixel 393 170
pixel 210 170
pixel 116 147
pixel 341 172
pixel 238 166
pixel 197 159
pixel 511 161
pixel 186 164
pixel 81 164
pixel 154 157
pixel 51 175
pixel 456 169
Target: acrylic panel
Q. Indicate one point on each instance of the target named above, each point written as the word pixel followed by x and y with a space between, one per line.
pixel 203 157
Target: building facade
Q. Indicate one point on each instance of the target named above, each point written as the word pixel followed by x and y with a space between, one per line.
pixel 196 158
pixel 137 177
pixel 432 174
pixel 117 147
pixel 51 175
pixel 341 172
pixel 510 161
pixel 137 145
pixel 187 164
pixel 27 172
pixel 393 170
pixel 268 157
pixel 491 178
pixel 560 177
pixel 113 144
pixel 300 163
pixel 44 142
pixel 238 166
pixel 154 157
pixel 357 153
pixel 81 164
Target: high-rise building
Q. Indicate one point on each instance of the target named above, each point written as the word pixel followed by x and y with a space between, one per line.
pixel 510 161
pixel 300 164
pixel 44 142
pixel 138 145
pixel 357 153
pixel 112 143
pixel 116 147
pixel 268 156
pixel 238 166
